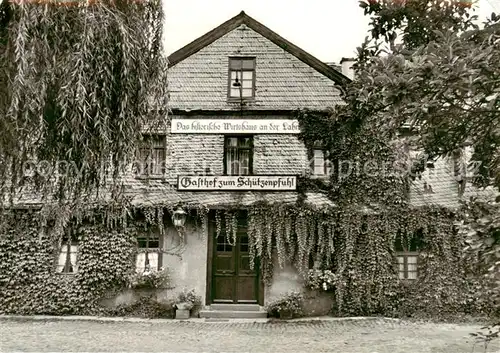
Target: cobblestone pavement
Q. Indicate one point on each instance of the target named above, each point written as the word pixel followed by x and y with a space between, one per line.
pixel 367 336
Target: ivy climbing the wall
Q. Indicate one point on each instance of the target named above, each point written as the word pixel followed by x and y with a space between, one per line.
pixel 358 250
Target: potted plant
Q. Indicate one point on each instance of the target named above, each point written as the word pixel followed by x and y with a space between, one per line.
pixel 287 306
pixel 186 302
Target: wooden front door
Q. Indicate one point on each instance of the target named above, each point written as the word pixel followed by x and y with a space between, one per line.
pixel 232 279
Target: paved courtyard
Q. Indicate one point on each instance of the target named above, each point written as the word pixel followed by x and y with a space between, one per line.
pixel 367 336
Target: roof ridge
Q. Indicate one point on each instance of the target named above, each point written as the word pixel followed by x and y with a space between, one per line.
pixel 243 18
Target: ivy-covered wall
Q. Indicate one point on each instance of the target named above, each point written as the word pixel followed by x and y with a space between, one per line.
pixel 299 247
pixel 353 254
pixel 28 253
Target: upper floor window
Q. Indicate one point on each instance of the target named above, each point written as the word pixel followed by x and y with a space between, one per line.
pixel 67 260
pixel 320 164
pixel 152 156
pixel 241 78
pixel 407 253
pixel 238 155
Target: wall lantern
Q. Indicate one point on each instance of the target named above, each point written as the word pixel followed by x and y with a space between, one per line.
pixel 179 217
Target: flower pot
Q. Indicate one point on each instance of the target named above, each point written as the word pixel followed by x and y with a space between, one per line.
pixel 182 314
pixel 286 314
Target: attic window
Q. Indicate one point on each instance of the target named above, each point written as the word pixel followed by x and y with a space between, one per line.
pixel 241 78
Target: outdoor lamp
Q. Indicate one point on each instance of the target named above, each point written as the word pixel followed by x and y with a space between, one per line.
pixel 179 217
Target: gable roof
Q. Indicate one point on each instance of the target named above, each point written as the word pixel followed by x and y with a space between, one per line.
pixel 243 18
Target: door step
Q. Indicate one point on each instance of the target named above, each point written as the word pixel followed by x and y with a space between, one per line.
pixel 226 314
pixel 235 307
pixel 234 311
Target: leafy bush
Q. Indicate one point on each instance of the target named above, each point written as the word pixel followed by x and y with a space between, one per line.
pixel 147 307
pixel 291 302
pixel 321 279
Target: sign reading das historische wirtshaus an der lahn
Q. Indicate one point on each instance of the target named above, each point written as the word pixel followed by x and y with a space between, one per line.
pixel 237 183
pixel 235 126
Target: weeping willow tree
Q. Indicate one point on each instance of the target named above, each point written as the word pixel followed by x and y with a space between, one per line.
pixel 80 82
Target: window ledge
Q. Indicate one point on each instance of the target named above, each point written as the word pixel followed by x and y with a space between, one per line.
pixel 407 253
pixel 407 281
pixel 238 100
pixel 325 177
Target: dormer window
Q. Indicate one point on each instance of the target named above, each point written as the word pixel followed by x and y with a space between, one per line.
pixel 241 78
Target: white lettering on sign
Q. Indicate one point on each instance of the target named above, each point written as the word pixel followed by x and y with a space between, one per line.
pixel 235 126
pixel 235 183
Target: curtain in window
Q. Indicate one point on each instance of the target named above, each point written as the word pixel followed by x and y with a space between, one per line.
pixel 244 162
pixel 152 155
pixel 63 256
pixel 238 152
pixel 141 261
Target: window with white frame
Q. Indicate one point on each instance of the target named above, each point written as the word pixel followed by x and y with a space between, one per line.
pixel 241 78
pixel 148 255
pixel 67 261
pixel 152 156
pixel 407 255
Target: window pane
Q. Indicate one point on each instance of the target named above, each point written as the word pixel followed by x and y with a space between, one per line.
pixel 246 92
pixel 153 260
pixel 232 162
pixel 244 162
pixel 247 84
pixel 234 168
pixel 244 244
pixel 142 242
pixel 154 243
pixel 412 263
pixel 318 170
pixel 248 63
pixel 235 74
pixel 140 262
pixel 62 259
pixel 235 64
pixel 248 76
pixel 319 154
pixel 401 266
pixel 412 275
pixel 235 92
pixel 245 142
pixel 232 141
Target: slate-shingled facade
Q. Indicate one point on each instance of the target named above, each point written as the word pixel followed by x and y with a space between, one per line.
pixel 285 79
